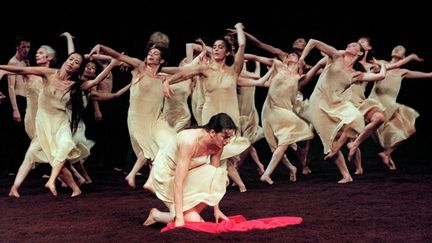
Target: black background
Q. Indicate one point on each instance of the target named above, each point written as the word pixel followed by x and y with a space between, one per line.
pixel 126 26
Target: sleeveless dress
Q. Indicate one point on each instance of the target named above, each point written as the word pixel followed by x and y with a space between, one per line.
pixel 176 110
pixel 400 120
pixel 282 126
pixel 328 109
pixel 249 119
pixel 148 129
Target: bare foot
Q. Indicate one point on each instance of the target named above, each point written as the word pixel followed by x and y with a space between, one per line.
pixel 147 187
pixel 265 178
pixel 88 180
pixel 261 169
pixel 131 181
pixel 345 180
pixel 306 171
pixel 80 181
pixel 358 171
pixel 386 160
pixel 14 192
pixel 151 219
pixel 52 188
pixel 352 149
pixel 293 174
pixel 242 188
pixel 392 164
pixel 330 155
pixel 76 193
pixel 62 183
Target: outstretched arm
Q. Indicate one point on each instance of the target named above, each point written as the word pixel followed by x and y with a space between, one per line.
pixel 403 61
pixel 103 96
pixel 417 74
pixel 273 50
pixel 264 60
pixel 91 83
pixel 185 74
pixel 263 81
pixel 370 77
pixel 98 49
pixel 39 71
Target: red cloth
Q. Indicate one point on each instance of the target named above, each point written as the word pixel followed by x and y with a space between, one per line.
pixel 238 223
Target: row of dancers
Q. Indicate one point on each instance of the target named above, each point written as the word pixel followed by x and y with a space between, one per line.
pixel 337 110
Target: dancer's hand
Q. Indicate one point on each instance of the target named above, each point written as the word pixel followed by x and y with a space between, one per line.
pixel 179 221
pixel 168 92
pixel 219 215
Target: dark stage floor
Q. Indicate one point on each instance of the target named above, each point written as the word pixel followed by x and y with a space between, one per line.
pixel 379 206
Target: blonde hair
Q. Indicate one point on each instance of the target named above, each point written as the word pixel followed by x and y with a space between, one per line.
pixel 51 52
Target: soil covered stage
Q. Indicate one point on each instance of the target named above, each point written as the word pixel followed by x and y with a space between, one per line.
pixel 379 206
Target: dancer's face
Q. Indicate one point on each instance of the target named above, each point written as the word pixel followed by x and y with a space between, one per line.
pixel 223 138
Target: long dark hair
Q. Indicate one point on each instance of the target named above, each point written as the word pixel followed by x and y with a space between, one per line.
pixel 76 103
pixel 220 122
pixel 357 65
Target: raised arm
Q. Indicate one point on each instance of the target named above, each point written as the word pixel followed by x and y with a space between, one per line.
pixel 70 43
pixel 323 47
pixel 184 157
pixel 312 72
pixel 192 47
pixel 247 74
pixel 98 49
pixel 239 56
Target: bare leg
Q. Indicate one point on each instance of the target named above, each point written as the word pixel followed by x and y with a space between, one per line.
pixel 340 163
pixel 291 167
pixel 358 163
pixel 376 120
pixel 386 156
pixel 303 155
pixel 55 171
pixel 67 177
pixel 192 216
pixel 80 178
pixel 337 145
pixel 146 185
pixel 235 176
pixel 139 163
pixel 243 156
pixel 83 170
pixel 276 157
pixel 22 173
pixel 255 158
pixel 157 216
